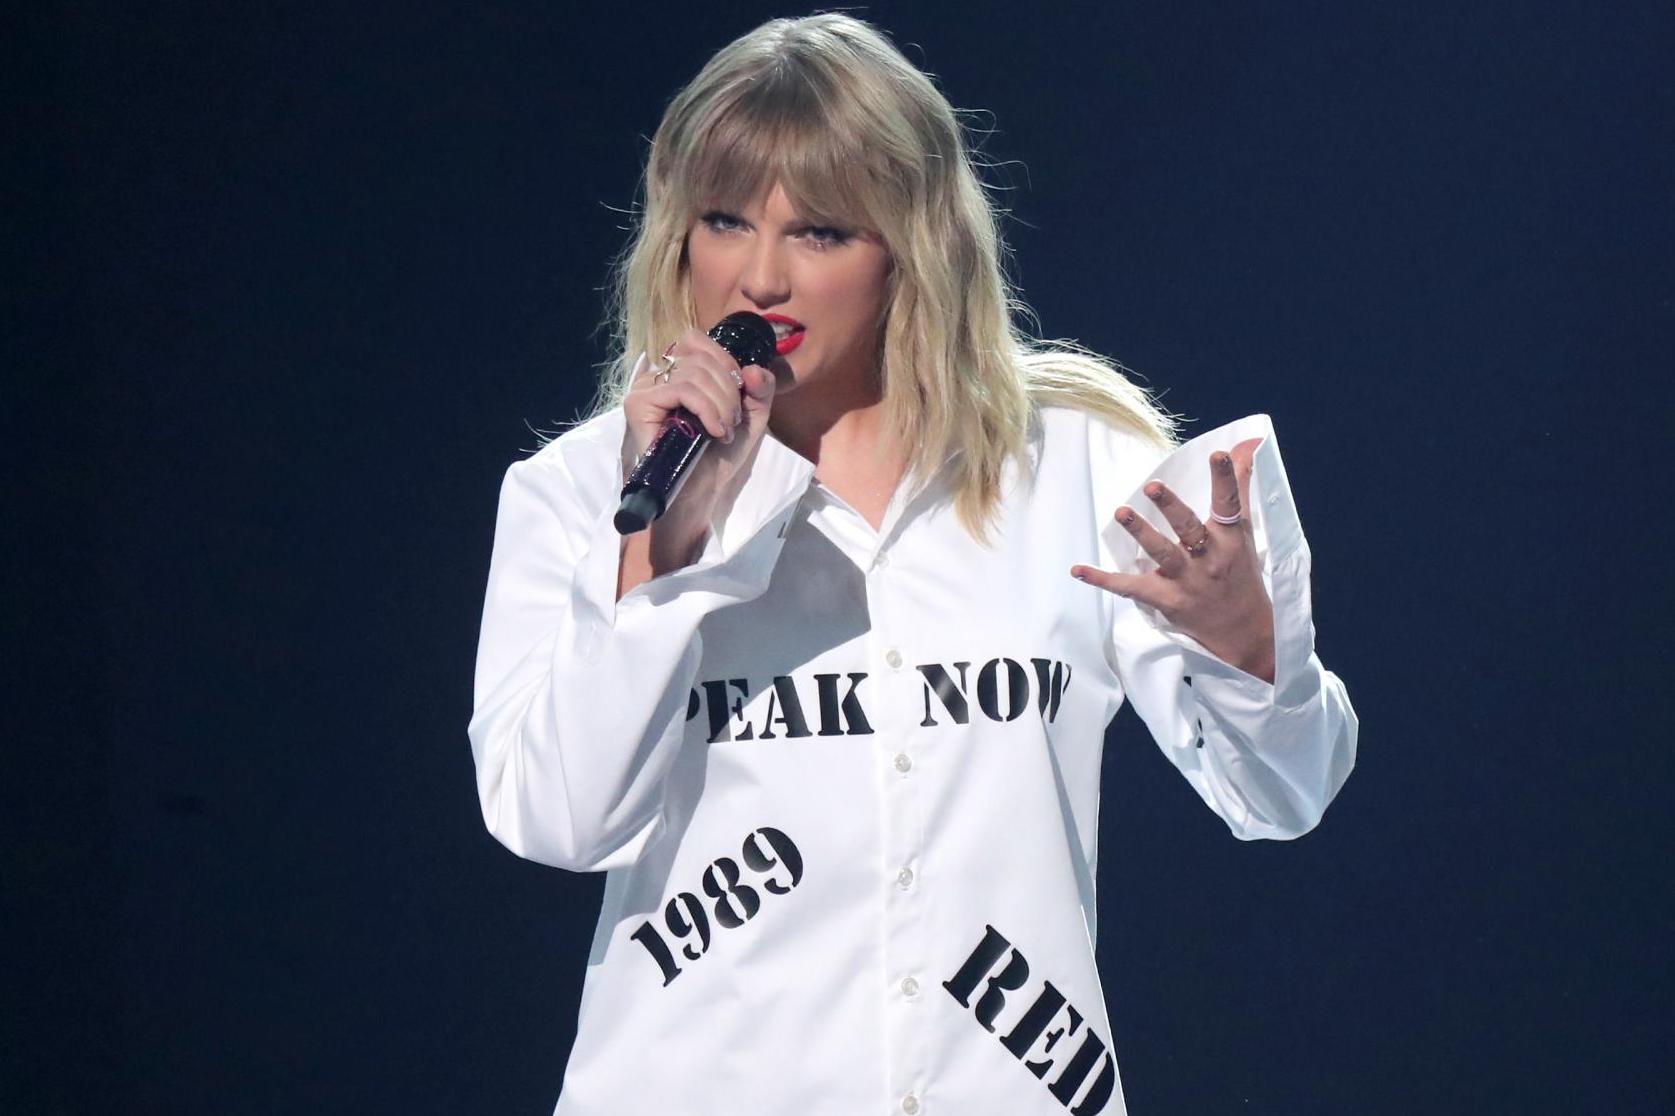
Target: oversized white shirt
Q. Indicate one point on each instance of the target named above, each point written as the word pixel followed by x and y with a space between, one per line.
pixel 845 782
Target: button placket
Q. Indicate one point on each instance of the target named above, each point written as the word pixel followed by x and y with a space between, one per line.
pixel 901 844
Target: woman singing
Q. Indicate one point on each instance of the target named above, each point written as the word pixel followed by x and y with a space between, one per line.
pixel 833 724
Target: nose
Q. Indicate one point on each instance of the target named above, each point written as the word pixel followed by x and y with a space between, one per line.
pixel 766 280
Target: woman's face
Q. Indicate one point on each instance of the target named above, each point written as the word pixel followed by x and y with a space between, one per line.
pixel 822 287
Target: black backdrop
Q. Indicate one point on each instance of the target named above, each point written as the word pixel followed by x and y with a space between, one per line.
pixel 299 280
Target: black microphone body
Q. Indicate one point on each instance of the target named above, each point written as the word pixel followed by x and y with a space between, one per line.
pixel 659 473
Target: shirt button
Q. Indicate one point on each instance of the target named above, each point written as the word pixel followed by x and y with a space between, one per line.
pixel 893 657
pixel 1274 499
pixel 910 987
pixel 904 878
pixel 903 763
pixel 910 1104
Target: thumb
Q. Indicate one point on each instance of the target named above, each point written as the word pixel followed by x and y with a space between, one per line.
pixel 759 388
pixel 759 382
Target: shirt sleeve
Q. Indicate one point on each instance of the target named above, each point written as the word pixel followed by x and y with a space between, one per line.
pixel 1268 758
pixel 579 703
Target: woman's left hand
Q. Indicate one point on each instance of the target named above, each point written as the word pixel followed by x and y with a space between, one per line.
pixel 1209 582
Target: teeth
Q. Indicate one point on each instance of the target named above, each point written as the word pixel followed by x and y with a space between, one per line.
pixel 782 331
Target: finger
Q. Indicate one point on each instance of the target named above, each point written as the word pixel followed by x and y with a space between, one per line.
pixel 1134 587
pixel 1188 527
pixel 730 383
pixel 723 359
pixel 1170 559
pixel 696 354
pixel 700 371
pixel 1244 463
pixel 692 395
pixel 696 349
pixel 1224 487
pixel 718 389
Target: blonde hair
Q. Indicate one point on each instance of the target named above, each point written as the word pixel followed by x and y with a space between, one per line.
pixel 857 135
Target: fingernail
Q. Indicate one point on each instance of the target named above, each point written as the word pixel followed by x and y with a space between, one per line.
pixel 1125 516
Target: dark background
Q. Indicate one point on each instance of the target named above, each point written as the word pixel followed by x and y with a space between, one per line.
pixel 298 280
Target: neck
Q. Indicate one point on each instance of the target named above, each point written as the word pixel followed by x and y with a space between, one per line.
pixel 831 430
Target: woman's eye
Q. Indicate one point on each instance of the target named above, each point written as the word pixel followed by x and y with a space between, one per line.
pixel 826 235
pixel 720 222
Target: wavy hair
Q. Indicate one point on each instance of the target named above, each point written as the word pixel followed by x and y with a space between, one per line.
pixel 857 135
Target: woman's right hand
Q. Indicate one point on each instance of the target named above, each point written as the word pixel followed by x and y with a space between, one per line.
pixel 706 380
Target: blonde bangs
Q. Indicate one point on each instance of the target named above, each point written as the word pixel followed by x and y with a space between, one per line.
pixel 780 132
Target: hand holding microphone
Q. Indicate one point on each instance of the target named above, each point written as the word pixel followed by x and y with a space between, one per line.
pixel 715 390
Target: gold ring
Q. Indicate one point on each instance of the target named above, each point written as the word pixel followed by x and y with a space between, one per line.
pixel 1197 549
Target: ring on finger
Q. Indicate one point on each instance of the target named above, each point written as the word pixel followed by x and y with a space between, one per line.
pixel 1196 549
pixel 1226 520
pixel 661 375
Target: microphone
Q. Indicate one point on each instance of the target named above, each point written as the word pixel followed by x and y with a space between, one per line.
pixel 663 468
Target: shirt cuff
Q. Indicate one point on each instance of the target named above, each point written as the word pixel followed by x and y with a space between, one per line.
pixel 1280 548
pixel 738 556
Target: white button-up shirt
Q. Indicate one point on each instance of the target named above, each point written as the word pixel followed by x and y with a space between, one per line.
pixel 845 782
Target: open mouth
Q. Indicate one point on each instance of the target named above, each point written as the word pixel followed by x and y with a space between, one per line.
pixel 788 332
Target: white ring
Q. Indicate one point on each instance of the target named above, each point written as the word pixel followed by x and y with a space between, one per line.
pixel 1226 520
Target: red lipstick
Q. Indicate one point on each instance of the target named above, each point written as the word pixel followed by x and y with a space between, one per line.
pixel 791 340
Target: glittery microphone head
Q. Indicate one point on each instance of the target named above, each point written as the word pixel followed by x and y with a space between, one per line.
pixel 747 337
